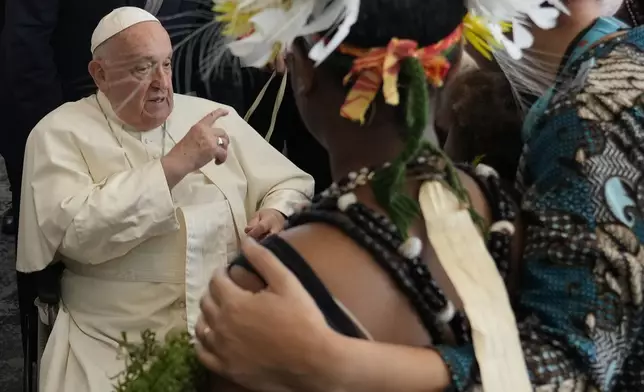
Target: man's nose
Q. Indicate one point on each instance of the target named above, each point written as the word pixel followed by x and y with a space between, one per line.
pixel 161 77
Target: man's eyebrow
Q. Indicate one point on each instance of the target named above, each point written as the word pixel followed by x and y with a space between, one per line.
pixel 154 59
pixel 133 59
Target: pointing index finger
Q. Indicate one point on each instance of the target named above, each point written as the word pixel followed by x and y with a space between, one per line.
pixel 210 118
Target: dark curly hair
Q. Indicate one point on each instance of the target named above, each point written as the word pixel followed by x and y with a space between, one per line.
pixel 483 121
pixel 426 22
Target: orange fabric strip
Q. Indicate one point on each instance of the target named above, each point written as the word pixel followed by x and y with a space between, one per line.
pixel 378 67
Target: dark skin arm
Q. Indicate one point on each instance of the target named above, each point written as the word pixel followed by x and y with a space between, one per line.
pixel 366 290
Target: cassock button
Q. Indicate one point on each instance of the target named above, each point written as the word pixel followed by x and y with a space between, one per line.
pixel 182 304
pixel 184 316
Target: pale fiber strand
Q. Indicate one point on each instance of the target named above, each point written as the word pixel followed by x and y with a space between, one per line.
pixel 463 255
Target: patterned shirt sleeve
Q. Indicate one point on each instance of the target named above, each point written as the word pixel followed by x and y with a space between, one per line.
pixel 581 297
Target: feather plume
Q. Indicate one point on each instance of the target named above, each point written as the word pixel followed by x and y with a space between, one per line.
pixel 519 13
pixel 262 29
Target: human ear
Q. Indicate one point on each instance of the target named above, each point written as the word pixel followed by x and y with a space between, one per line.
pixel 97 72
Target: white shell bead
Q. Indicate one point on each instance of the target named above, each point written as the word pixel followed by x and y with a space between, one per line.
pixel 485 171
pixel 411 248
pixel 346 200
pixel 446 315
pixel 503 226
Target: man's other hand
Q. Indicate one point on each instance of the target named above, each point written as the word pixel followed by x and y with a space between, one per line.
pixel 267 221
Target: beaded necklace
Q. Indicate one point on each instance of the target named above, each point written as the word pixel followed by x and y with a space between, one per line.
pixel 401 258
pixel 634 13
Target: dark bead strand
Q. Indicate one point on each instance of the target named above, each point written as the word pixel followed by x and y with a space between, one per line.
pixel 387 260
pixel 499 243
pixel 461 328
pixel 503 209
pixel 376 233
pixel 498 246
pixel 500 249
pixel 358 235
pixel 419 271
pixel 427 166
pixel 423 278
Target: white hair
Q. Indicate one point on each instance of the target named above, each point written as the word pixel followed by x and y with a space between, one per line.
pixel 101 51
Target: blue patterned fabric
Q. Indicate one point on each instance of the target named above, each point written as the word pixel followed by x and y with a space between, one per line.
pixel 581 301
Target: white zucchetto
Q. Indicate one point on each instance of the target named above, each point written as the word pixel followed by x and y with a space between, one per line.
pixel 117 21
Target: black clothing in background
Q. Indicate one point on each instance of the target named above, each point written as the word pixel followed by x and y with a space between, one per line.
pixel 632 12
pixel 290 132
pixel 44 53
pixel 45 50
pixel 224 88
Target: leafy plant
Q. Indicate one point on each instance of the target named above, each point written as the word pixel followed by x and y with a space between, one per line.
pixel 154 366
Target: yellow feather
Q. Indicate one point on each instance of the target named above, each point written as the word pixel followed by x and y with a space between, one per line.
pixel 478 34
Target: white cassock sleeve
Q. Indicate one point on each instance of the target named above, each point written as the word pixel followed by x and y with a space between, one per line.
pixel 273 180
pixel 86 221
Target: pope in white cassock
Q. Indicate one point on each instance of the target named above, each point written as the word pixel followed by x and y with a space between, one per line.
pixel 142 193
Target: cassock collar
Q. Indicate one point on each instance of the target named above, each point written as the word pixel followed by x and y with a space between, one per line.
pixel 107 108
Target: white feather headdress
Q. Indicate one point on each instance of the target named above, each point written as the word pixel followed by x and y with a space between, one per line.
pixel 501 16
pixel 261 29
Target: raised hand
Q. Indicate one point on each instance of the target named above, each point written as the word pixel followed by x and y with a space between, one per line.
pixel 203 143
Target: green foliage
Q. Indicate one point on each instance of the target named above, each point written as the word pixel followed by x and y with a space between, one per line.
pixel 153 366
pixel 388 184
pixel 478 160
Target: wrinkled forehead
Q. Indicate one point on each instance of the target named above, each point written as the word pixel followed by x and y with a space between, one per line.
pixel 144 41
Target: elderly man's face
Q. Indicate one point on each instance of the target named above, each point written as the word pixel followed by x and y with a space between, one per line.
pixel 136 75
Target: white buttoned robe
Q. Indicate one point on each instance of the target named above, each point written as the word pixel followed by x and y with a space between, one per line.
pixel 138 255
